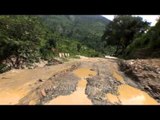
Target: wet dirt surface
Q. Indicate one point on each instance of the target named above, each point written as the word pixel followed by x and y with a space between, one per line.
pixel 86 81
pixel 131 96
pixel 145 73
pixel 16 84
pixel 78 97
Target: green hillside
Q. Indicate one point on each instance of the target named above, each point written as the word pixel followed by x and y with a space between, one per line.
pixel 26 39
pixel 88 29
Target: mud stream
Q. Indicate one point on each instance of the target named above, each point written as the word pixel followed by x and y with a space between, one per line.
pixel 78 97
pixel 83 82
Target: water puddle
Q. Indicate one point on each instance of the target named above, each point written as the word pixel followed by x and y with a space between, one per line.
pixel 118 77
pixel 84 72
pixel 129 95
pixel 78 97
pixel 12 97
pixel 112 98
pixel 14 84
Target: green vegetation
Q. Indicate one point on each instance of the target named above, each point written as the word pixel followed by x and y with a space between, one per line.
pixel 20 39
pixel 147 45
pixel 122 31
pixel 131 37
pixel 26 39
pixel 87 29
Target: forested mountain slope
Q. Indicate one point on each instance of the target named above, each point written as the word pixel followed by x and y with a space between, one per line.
pixel 88 29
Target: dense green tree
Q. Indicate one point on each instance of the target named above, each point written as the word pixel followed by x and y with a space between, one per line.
pixel 20 39
pixel 78 47
pixel 122 31
pixel 148 44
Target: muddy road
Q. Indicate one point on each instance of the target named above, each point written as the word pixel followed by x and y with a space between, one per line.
pixel 85 81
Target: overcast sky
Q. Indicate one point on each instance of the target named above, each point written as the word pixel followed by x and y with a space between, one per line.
pixel 149 18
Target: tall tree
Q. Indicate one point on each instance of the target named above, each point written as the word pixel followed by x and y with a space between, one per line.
pixel 122 31
pixel 20 39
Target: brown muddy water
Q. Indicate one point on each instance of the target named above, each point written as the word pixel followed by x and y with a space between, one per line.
pixel 78 97
pixel 16 84
pixel 128 95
